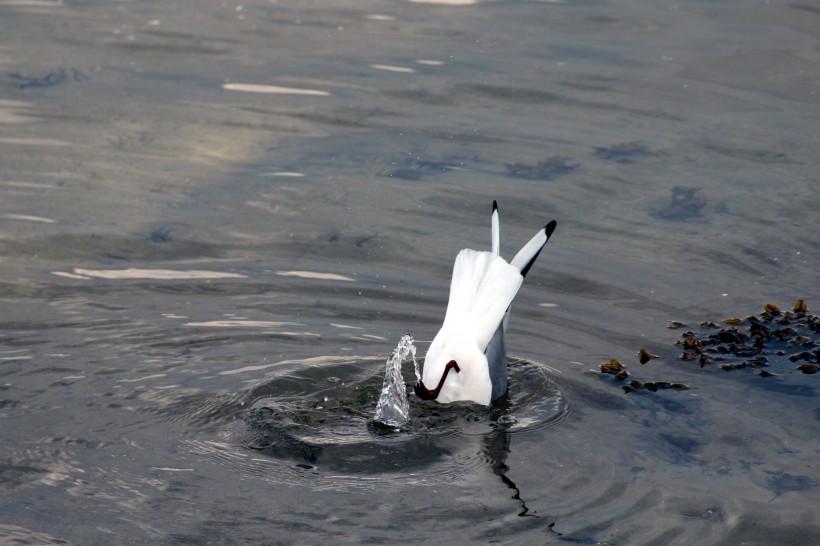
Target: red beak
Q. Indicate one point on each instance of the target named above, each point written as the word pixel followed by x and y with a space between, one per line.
pixel 426 394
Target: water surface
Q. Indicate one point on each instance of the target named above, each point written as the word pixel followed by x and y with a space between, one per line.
pixel 218 219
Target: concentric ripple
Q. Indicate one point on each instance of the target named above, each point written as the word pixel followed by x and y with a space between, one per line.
pixel 309 423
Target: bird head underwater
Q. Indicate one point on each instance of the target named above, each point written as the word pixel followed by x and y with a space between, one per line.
pixel 467 360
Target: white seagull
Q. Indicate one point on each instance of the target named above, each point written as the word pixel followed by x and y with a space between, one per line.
pixel 467 359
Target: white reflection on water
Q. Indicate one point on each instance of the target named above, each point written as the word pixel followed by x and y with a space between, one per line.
pixel 274 89
pixel 34 141
pixel 315 275
pixel 13 111
pixel 158 274
pixel 242 324
pixel 393 68
pixel 28 218
pixel 346 326
pixel 284 174
pixel 445 2
pixel 32 3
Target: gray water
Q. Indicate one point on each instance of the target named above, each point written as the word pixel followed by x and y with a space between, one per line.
pixel 218 219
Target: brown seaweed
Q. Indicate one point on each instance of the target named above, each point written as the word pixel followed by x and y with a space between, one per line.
pixel 645 356
pixel 772 337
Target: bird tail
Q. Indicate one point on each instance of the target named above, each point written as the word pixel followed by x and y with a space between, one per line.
pixel 482 288
pixel 496 231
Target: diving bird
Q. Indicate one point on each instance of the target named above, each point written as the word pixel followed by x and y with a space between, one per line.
pixel 467 359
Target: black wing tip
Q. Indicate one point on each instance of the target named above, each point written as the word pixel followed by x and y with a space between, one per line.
pixel 549 228
pixel 495 206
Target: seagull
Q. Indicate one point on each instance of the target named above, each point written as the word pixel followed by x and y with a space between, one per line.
pixel 467 360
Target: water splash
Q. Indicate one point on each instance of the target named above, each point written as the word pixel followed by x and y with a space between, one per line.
pixel 393 408
pixel 415 362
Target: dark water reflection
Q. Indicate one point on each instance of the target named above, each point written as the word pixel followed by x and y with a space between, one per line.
pixel 216 220
pixel 294 417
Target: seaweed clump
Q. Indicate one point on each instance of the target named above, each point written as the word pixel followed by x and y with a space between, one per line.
pixel 614 367
pixel 772 340
pixel 758 341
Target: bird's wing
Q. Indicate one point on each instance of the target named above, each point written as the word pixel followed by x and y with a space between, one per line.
pixel 497 362
pixel 482 288
pixel 527 255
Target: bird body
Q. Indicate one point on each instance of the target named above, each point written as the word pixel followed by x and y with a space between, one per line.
pixel 467 359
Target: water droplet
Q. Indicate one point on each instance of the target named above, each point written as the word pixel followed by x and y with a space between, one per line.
pixel 506 420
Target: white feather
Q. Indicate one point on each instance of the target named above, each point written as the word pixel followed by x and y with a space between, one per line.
pixel 482 289
pixel 496 232
pixel 472 382
pixel 481 293
pixel 529 251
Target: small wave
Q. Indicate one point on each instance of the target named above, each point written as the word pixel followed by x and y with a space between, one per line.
pixel 306 426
